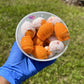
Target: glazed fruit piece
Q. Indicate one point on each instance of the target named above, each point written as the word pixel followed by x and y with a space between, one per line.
pixel 28 29
pixel 54 20
pixel 38 22
pixel 37 41
pixel 27 44
pixel 61 32
pixel 56 46
pixel 30 33
pixel 45 31
pixel 40 52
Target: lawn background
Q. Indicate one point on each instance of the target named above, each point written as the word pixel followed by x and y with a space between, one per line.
pixel 69 68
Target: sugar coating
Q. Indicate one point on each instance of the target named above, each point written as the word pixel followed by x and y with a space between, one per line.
pixel 54 20
pixel 52 38
pixel 37 22
pixel 56 46
pixel 27 26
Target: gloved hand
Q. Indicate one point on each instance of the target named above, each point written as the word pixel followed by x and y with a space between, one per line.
pixel 19 67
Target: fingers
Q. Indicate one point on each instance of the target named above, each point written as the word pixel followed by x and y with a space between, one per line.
pixel 40 65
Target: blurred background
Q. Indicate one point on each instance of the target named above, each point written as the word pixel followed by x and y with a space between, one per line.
pixel 69 68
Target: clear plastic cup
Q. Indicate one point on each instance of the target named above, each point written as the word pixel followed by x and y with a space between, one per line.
pixel 30 17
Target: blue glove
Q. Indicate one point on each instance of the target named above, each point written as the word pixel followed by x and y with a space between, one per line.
pixel 19 67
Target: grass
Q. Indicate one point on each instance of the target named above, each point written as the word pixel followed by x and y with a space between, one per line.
pixel 69 68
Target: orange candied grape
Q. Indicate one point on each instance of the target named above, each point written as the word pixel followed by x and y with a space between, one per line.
pixel 29 33
pixel 27 44
pixel 43 22
pixel 61 32
pixel 45 31
pixel 37 41
pixel 39 52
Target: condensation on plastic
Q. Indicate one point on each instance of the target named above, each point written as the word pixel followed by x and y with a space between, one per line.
pixel 30 17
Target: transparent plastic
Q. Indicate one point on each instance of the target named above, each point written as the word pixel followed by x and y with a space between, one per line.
pixel 30 17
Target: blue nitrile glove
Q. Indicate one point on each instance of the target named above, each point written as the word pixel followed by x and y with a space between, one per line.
pixel 19 67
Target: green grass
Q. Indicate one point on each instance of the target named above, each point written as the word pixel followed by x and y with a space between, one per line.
pixel 69 68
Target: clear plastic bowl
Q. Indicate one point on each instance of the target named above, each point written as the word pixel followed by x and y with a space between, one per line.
pixel 30 17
